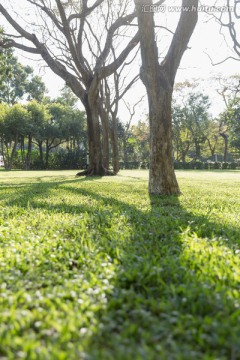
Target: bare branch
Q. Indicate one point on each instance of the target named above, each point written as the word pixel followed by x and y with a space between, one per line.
pixel 111 68
pixel 85 12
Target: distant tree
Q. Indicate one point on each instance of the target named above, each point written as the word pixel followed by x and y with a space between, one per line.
pixel 213 137
pixel 67 97
pixel 197 119
pixel 140 132
pixel 36 89
pixel 13 128
pixel 182 139
pixel 38 117
pixel 17 81
pixel 228 88
pixel 232 118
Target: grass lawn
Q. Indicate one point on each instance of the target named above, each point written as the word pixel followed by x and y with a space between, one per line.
pixel 94 269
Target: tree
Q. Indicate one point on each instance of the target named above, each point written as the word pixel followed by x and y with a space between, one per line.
pixel 140 132
pixel 67 97
pixel 232 118
pixel 68 36
pixel 197 117
pixel 13 127
pixel 111 95
pixel 181 133
pixel 228 89
pixel 17 81
pixel 158 79
pixel 38 117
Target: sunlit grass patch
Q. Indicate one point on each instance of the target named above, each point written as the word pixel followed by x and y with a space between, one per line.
pixel 93 268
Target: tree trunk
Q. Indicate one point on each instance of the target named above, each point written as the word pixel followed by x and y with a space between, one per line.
pixel 162 179
pixel 40 146
pixel 13 153
pixel 105 136
pixel 125 152
pixel 29 153
pixel 159 81
pixel 114 141
pixel 225 138
pixel 197 149
pixel 47 154
pixel 94 142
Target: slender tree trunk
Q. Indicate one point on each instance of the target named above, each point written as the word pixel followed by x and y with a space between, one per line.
pixel 13 153
pixel 40 146
pixel 29 153
pixel 47 155
pixel 105 137
pixel 115 149
pixel 125 152
pixel 225 138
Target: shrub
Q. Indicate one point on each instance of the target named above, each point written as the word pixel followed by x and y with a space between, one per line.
pixel 225 165
pixel 232 166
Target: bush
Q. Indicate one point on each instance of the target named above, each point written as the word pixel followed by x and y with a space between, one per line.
pixel 225 165
pixel 232 166
pixel 215 165
pixel 198 165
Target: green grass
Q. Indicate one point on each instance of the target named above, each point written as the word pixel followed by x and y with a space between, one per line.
pixel 95 269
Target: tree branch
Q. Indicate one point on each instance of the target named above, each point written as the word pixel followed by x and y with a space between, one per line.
pixel 111 68
pixel 185 27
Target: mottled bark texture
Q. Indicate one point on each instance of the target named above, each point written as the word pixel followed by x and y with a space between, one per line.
pixel 158 79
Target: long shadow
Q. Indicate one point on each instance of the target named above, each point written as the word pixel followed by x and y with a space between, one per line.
pixel 163 304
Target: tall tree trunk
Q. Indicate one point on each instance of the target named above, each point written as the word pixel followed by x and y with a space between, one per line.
pixel 159 81
pixel 162 179
pixel 94 141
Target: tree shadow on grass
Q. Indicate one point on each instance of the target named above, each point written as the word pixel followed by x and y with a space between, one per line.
pixel 172 299
pixel 172 295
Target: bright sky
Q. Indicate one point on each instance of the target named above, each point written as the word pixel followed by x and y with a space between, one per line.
pixel 206 43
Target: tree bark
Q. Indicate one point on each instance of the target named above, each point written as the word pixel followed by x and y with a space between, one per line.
pixel 114 141
pixel 162 179
pixel 159 80
pixel 95 166
pixel 105 135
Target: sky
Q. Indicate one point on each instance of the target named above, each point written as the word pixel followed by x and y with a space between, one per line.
pixel 207 46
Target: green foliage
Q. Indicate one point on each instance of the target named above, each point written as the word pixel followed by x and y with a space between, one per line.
pixel 190 125
pixel 46 126
pixel 232 116
pixel 94 269
pixel 17 81
pixel 62 159
pixel 198 165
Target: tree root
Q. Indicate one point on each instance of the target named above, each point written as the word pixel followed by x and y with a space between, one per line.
pixel 91 172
